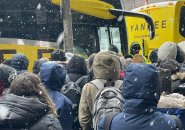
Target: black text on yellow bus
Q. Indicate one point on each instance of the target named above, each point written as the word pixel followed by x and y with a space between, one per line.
pixel 144 26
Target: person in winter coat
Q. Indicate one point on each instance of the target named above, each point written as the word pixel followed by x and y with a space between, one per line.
pixel 52 76
pixel 76 68
pixel 171 103
pixel 7 74
pixel 141 90
pixel 27 106
pixel 37 64
pixel 170 50
pixel 20 62
pixel 106 66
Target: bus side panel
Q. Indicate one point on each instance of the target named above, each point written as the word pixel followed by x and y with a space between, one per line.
pixel 31 52
pixel 163 20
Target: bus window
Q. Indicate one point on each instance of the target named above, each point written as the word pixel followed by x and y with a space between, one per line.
pixel 182 22
pixel 103 38
pixel 115 37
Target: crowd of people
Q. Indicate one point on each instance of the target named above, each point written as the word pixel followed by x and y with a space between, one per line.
pixel 107 91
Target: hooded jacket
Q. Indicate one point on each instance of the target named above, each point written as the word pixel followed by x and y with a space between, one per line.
pixel 168 50
pixel 53 76
pixel 18 113
pixel 20 62
pixel 141 90
pixel 173 104
pixel 105 66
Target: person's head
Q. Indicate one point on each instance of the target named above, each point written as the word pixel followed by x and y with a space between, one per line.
pixel 37 64
pixel 154 56
pixel 58 55
pixel 106 66
pixel 138 59
pixel 77 65
pixel 142 81
pixel 170 64
pixel 19 62
pixel 90 60
pixel 7 62
pixel 29 85
pixel 168 50
pixel 180 55
pixel 135 48
pixel 7 74
pixel 52 75
pixel 113 48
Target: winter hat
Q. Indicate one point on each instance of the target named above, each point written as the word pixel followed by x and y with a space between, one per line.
pixel 37 64
pixel 106 66
pixel 134 46
pixel 58 55
pixel 113 48
pixel 19 62
pixel 154 56
pixel 77 65
pixel 168 50
pixel 52 75
pixel 141 81
pixel 170 64
pixel 182 46
pixel 180 55
pixel 138 59
pixel 7 74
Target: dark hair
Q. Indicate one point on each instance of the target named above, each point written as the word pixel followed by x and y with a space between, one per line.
pixel 58 55
pixel 77 65
pixel 37 64
pixel 180 55
pixel 128 56
pixel 154 56
pixel 29 85
pixel 113 48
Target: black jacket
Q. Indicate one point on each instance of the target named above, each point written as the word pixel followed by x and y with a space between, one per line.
pixel 18 113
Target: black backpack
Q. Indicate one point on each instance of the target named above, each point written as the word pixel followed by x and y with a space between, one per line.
pixel 72 90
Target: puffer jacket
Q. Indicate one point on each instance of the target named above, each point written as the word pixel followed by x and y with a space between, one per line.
pixel 141 91
pixel 173 104
pixel 105 66
pixel 18 113
pixel 53 76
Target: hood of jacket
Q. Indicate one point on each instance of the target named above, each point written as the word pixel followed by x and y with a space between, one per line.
pixel 141 87
pixel 168 50
pixel 52 75
pixel 174 100
pixel 19 62
pixel 20 112
pixel 106 66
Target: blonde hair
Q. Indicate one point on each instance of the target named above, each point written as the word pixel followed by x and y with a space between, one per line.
pixel 29 85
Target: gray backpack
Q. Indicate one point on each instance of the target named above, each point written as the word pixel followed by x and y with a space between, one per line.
pixel 108 100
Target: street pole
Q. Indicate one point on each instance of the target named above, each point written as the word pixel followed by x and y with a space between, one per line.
pixel 67 24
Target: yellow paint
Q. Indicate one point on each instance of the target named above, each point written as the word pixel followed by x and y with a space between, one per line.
pixel 96 8
pixel 166 19
pixel 29 51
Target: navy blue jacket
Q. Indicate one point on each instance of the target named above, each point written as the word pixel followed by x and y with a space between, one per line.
pixel 53 76
pixel 141 90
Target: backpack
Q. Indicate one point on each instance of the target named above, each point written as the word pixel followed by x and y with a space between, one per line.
pixel 72 90
pixel 108 100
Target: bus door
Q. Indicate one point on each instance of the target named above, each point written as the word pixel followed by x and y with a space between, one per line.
pixel 109 35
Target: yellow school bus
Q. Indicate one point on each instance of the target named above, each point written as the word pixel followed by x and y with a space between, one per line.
pixel 35 27
pixel 169 22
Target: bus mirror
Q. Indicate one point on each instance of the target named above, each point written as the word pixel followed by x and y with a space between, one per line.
pixel 148 19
